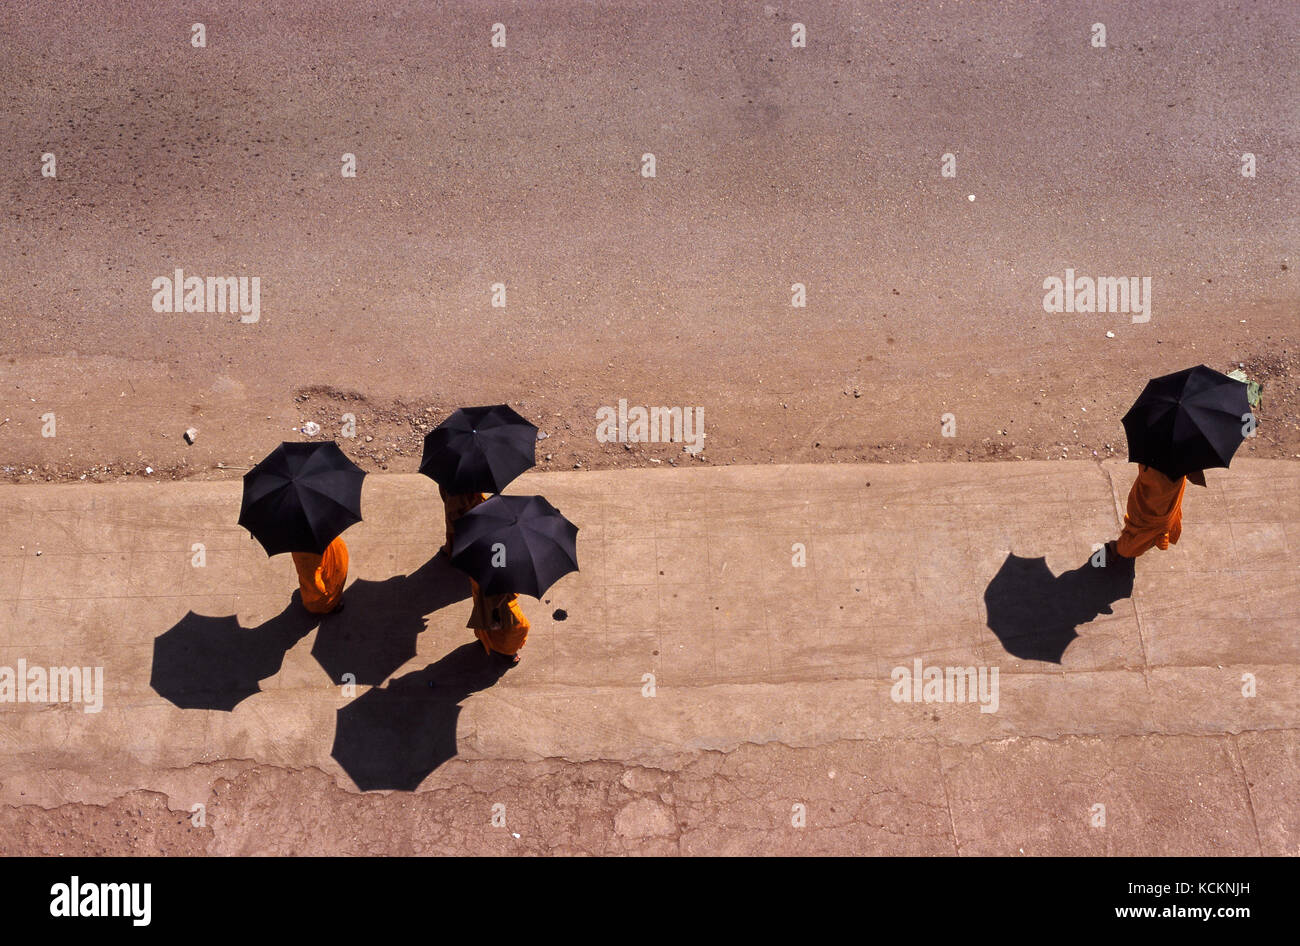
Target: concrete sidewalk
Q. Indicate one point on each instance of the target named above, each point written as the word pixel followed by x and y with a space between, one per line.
pixel 771 683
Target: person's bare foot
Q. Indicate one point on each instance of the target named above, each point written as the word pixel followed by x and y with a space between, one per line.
pixel 1112 552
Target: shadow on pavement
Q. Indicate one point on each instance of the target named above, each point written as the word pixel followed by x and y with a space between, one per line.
pixel 1035 613
pixel 212 663
pixel 376 631
pixel 394 736
pixel 204 662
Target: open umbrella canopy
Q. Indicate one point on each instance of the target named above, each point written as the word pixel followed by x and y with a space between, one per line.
pixel 515 544
pixel 1186 421
pixel 301 497
pixel 479 449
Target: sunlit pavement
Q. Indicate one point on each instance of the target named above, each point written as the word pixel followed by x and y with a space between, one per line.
pixel 723 679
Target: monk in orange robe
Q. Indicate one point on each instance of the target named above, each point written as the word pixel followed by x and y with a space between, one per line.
pixel 455 505
pixel 321 577
pixel 1155 512
pixel 498 623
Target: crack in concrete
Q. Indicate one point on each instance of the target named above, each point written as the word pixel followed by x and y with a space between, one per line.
pixel 1245 784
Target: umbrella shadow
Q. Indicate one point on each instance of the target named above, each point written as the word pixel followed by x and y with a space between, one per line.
pixel 204 662
pixel 393 737
pixel 1035 614
pixel 377 629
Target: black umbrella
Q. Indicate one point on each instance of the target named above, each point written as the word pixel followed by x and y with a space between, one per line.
pixel 1186 421
pixel 301 497
pixel 515 543
pixel 479 449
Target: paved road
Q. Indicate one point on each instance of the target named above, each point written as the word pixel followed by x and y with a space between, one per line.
pixel 773 683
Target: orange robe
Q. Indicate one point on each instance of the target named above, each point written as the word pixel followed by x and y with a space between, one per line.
pixel 321 577
pixel 498 621
pixel 455 505
pixel 1155 513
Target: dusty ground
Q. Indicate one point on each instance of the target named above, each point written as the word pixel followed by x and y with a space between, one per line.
pixel 775 166
pixel 390 435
